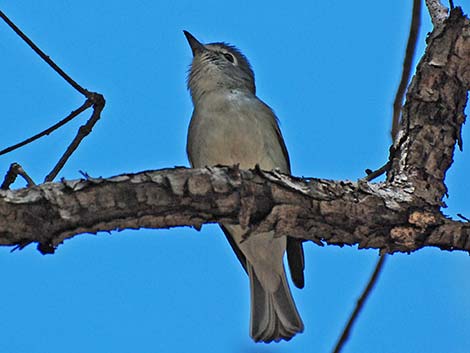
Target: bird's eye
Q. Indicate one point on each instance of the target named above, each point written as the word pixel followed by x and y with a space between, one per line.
pixel 229 57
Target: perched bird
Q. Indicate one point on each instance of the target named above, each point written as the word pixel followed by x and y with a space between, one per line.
pixel 230 125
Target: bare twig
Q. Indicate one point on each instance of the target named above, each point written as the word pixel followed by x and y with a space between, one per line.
pixel 360 304
pixel 15 170
pixel 93 99
pixel 407 62
pixel 437 11
pixel 98 105
pixel 463 217
pixel 64 121
pixel 44 57
pixel 372 174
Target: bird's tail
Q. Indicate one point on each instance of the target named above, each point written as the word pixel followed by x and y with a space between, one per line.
pixel 273 313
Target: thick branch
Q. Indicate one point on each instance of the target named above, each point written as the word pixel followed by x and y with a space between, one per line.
pixel 434 112
pixel 370 215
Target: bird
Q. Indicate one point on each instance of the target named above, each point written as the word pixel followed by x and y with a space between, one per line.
pixel 231 126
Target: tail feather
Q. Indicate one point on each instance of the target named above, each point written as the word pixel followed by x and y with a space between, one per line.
pixel 295 259
pixel 273 314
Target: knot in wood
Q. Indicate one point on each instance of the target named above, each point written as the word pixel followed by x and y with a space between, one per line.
pixel 422 219
pixel 404 235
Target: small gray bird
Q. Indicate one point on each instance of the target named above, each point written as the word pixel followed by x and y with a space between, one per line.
pixel 231 126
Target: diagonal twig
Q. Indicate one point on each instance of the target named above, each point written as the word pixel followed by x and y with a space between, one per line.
pixel 360 304
pixel 98 105
pixel 44 57
pixel 407 62
pixel 64 121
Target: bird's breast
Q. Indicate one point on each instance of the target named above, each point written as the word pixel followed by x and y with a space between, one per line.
pixel 233 128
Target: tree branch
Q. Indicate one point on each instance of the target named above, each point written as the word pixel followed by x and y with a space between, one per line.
pixel 332 212
pixel 433 114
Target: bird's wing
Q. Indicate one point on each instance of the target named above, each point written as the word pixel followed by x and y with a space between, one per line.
pixel 295 251
pixel 235 247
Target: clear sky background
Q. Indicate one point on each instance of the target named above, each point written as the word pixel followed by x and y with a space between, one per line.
pixel 328 68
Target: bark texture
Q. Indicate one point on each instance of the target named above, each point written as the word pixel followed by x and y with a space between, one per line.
pixel 401 214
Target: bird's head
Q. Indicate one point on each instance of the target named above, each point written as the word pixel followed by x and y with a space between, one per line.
pixel 217 66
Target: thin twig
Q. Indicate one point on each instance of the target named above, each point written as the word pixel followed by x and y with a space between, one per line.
pixel 44 56
pixel 372 174
pixel 15 170
pixel 93 99
pixel 407 62
pixel 360 304
pixel 98 105
pixel 64 121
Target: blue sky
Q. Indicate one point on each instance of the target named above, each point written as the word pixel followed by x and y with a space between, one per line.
pixel 328 68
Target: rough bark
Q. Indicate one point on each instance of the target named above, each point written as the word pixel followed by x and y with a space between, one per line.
pixel 401 214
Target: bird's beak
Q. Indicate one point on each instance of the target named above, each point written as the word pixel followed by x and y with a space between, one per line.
pixel 196 46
